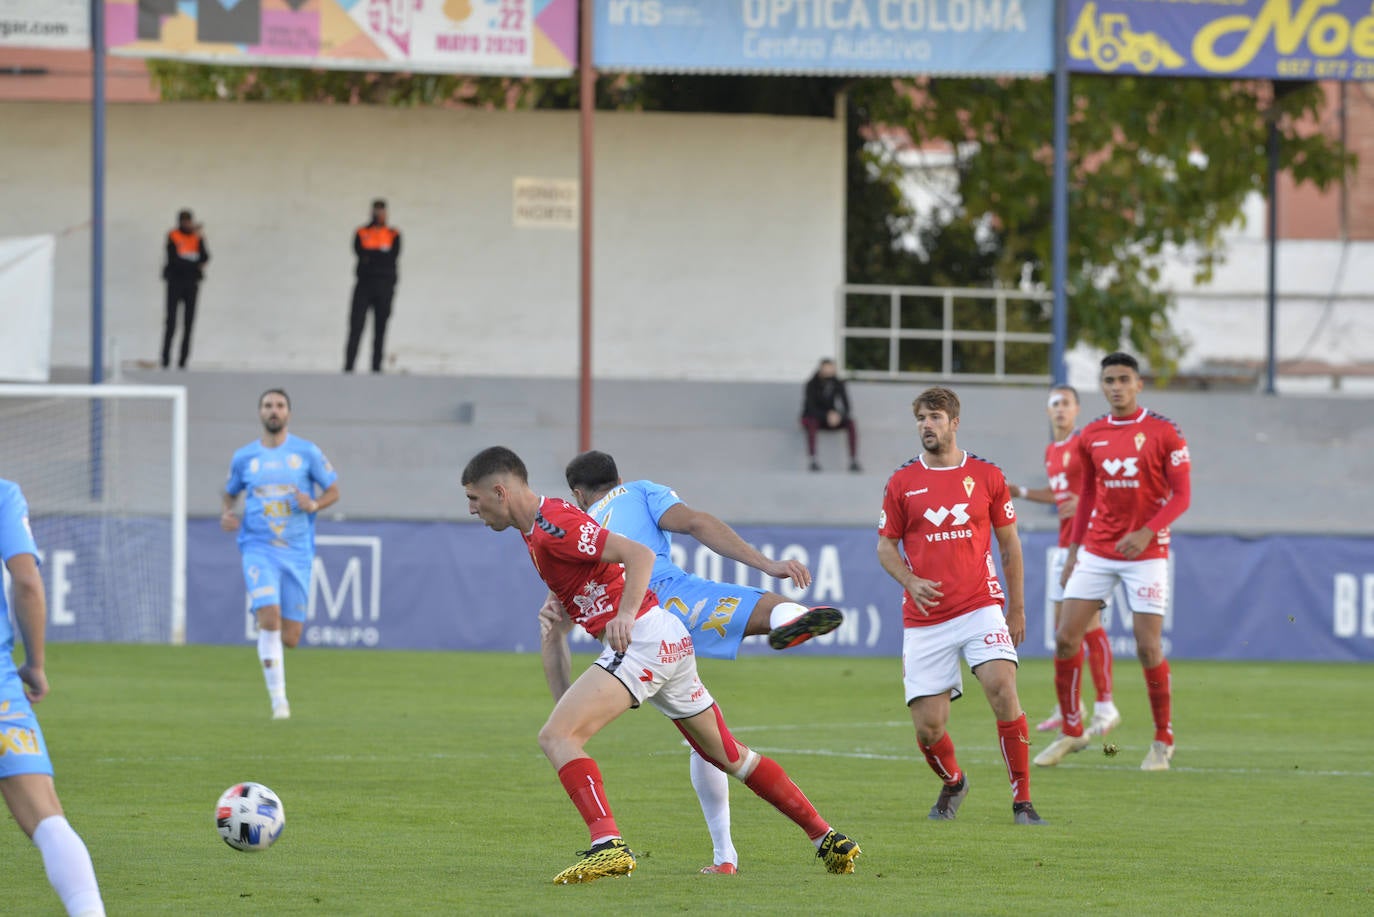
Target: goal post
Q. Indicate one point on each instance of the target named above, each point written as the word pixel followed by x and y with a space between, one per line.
pixel 103 468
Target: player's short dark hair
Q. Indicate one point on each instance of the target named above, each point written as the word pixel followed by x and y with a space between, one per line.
pixel 938 398
pixel 593 471
pixel 494 460
pixel 1067 388
pixel 378 202
pixel 275 391
pixel 1120 358
pixel 183 215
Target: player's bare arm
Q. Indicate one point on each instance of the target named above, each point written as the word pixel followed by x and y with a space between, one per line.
pixel 30 616
pixel 639 564
pixel 309 504
pixel 925 593
pixel 229 516
pixel 1013 575
pixel 725 541
pixel 554 652
pixel 1033 494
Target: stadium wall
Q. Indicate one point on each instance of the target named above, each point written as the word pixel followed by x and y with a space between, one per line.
pixel 716 232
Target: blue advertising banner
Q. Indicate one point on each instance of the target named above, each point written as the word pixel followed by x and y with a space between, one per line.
pixel 841 37
pixel 446 586
pixel 1271 39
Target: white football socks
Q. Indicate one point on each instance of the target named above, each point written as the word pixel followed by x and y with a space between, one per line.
pixel 69 868
pixel 273 665
pixel 713 791
pixel 784 612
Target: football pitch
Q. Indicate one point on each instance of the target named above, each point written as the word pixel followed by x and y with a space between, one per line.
pixel 413 784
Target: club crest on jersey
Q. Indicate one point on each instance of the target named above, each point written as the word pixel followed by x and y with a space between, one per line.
pixel 294 461
pixel 1139 441
pixel 968 486
pixel 1066 460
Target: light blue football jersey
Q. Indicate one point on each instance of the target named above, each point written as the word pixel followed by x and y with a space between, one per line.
pixel 633 510
pixel 15 538
pixel 269 478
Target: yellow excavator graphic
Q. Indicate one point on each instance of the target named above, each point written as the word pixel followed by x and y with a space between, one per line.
pixel 1109 43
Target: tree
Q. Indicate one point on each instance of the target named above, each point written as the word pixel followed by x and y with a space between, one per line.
pixel 1155 166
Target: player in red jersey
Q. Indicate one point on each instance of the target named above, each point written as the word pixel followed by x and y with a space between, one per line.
pixel 1135 484
pixel 648 657
pixel 941 509
pixel 1065 474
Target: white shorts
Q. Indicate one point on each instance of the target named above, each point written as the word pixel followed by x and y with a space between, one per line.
pixel 660 666
pixel 1145 583
pixel 1056 557
pixel 930 655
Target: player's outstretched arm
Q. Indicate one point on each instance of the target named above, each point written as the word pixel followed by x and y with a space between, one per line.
pixel 554 651
pixel 30 615
pixel 726 542
pixel 1033 494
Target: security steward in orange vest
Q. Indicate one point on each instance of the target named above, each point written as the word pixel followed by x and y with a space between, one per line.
pixel 378 246
pixel 185 267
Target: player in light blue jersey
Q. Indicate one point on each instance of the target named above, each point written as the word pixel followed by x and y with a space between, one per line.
pixel 285 481
pixel 717 615
pixel 25 770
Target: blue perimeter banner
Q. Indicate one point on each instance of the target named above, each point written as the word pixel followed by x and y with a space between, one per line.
pixel 1269 39
pixel 452 586
pixel 811 37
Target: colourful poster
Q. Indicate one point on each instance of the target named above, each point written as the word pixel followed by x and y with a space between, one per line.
pixel 1267 39
pixel 841 37
pixel 479 37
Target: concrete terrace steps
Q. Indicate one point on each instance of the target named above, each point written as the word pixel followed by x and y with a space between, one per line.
pixel 1260 464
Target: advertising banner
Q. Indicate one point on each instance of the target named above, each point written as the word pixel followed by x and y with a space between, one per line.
pixel 1270 39
pixel 842 37
pixel 447 586
pixel 510 37
pixel 52 24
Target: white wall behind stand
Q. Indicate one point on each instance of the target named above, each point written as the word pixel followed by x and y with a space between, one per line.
pixel 719 240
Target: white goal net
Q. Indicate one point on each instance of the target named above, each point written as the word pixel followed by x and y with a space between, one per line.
pixel 104 470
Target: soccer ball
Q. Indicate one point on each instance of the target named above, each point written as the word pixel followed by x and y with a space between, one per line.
pixel 249 817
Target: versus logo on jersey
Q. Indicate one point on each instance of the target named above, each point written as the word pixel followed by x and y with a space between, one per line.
pixel 938 516
pixel 1059 482
pixel 1125 468
pixel 954 516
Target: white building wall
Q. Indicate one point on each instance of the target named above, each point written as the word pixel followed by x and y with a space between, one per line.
pixel 719 240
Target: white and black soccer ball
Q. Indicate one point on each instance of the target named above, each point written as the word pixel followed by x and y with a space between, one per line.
pixel 249 817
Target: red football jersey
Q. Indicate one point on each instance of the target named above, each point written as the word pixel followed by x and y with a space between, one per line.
pixel 1131 468
pixel 1065 473
pixel 566 545
pixel 944 518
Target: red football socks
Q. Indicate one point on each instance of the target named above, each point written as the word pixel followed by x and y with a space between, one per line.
pixel 940 757
pixel 771 783
pixel 582 779
pixel 1068 678
pixel 1159 684
pixel 1100 661
pixel 1014 739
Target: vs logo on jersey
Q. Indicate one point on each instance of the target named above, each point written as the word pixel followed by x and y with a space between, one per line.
pixel 1125 468
pixel 955 515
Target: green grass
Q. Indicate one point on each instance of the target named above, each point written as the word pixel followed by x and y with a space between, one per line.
pixel 413 784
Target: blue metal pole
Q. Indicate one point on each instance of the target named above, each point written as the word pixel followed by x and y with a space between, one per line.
pixel 97 245
pixel 1059 230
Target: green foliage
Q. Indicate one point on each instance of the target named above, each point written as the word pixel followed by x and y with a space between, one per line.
pixel 1155 166
pixel 413 784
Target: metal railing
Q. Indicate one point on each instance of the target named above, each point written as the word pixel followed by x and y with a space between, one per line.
pixel 969 327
